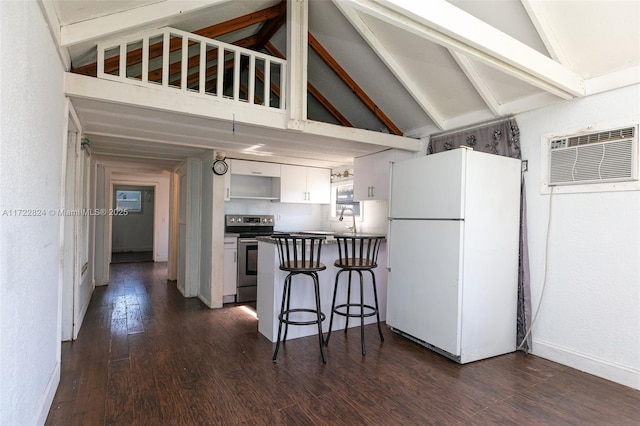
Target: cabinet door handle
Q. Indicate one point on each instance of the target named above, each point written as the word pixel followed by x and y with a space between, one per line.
pixel 228 193
pixel 368 191
pixel 256 173
pixel 235 257
pixel 372 190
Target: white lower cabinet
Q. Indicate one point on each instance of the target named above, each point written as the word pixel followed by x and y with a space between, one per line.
pixel 310 185
pixel 230 272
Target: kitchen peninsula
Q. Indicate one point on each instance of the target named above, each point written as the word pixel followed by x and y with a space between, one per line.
pixel 271 284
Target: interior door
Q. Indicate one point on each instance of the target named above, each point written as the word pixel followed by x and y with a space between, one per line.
pixel 69 289
pixel 424 283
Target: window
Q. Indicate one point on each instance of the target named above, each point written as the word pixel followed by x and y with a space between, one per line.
pixel 342 201
pixel 130 201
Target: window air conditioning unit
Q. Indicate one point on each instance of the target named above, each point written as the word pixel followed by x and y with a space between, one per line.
pixel 610 156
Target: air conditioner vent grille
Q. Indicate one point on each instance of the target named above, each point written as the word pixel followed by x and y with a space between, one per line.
pixel 609 156
pixel 611 135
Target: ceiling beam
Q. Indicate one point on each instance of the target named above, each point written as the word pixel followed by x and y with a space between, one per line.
pixel 271 26
pixel 535 11
pixel 352 85
pixel 478 82
pixel 49 12
pixel 129 20
pixel 442 23
pixel 240 22
pixel 387 57
pixel 313 91
pixel 322 100
pixel 297 63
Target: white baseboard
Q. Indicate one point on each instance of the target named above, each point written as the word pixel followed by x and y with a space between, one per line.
pixel 81 315
pixel 182 291
pixel 47 397
pixel 130 249
pixel 622 374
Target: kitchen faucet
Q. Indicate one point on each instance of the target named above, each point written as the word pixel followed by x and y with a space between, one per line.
pixel 353 215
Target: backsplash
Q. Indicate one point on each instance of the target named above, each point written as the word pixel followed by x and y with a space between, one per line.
pixel 288 216
pixel 312 217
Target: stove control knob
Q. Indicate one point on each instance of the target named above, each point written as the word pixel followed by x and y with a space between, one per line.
pixel 270 220
pixel 232 220
pixel 239 220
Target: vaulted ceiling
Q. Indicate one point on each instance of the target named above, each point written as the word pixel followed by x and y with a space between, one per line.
pixel 404 67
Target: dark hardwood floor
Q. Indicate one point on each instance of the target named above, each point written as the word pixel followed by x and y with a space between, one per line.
pixel 147 356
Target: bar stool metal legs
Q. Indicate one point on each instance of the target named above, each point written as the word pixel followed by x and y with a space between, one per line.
pixel 365 310
pixel 299 256
pixel 285 310
pixel 357 254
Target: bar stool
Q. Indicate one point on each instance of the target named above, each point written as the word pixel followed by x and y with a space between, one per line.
pixel 357 253
pixel 299 255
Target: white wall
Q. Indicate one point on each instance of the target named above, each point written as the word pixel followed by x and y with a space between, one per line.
pixel 590 313
pixel 134 231
pixel 32 135
pixel 161 203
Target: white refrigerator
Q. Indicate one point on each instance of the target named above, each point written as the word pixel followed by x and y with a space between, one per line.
pixel 453 252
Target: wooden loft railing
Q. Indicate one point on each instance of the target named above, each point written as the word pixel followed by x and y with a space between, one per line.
pixel 178 60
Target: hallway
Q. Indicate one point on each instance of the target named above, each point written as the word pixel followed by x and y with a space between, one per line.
pixel 148 356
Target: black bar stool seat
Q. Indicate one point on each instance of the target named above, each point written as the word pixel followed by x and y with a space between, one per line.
pixel 357 253
pixel 299 255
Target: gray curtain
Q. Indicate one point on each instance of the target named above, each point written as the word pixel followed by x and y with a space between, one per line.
pixel 502 138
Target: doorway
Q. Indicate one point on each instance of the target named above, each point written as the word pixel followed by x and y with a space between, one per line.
pixel 132 224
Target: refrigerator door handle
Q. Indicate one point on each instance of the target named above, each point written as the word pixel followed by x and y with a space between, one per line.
pixel 388 244
pixel 389 217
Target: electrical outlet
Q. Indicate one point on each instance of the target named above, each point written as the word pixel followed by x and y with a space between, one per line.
pixel 278 217
pixel 525 165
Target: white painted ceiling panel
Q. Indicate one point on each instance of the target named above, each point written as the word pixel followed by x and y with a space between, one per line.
pixel 504 87
pixel 432 69
pixel 344 43
pixel 596 37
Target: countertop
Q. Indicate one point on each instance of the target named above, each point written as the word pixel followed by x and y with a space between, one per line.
pixel 329 236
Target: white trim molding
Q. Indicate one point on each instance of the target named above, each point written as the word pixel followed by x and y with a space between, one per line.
pixel 622 374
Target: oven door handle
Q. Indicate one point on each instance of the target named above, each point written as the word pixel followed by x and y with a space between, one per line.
pixel 247 240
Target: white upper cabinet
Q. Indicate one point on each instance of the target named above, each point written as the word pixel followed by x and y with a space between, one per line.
pixel 319 185
pixel 309 185
pixel 254 180
pixel 293 184
pixel 255 168
pixel 371 174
